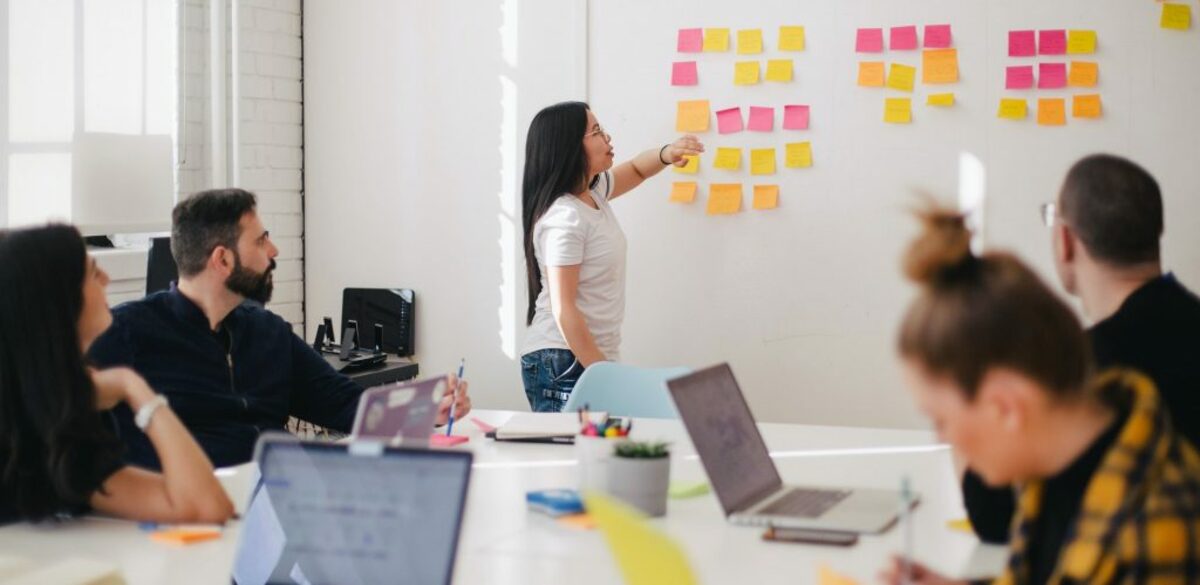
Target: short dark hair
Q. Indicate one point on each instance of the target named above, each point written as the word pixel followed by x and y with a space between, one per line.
pixel 1115 208
pixel 204 221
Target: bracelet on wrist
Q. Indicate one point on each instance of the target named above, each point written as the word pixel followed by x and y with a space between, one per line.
pixel 660 155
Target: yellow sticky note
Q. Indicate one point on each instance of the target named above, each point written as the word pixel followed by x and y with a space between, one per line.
pixel 901 77
pixel 939 66
pixel 1080 42
pixel 940 99
pixel 750 41
pixel 723 199
pixel 693 164
pixel 961 525
pixel 745 73
pixel 762 161
pixel 1086 106
pixel 1083 74
pixel 870 74
pixel 827 576
pixel 644 555
pixel 779 70
pixel 691 116
pixel 1052 112
pixel 683 192
pixel 766 197
pixel 791 38
pixel 716 39
pixel 728 158
pixel 798 155
pixel 1176 16
pixel 897 110
pixel 1012 109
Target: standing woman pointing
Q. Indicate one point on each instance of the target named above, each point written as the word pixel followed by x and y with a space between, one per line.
pixel 574 247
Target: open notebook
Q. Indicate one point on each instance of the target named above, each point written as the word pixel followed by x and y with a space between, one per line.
pixel 541 427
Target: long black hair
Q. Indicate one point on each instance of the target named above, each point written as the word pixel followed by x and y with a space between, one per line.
pixel 555 165
pixel 51 436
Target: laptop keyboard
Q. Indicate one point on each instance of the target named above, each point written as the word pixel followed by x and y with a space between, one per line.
pixel 805 503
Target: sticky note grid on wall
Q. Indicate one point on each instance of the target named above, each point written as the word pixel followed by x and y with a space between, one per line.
pixel 1061 60
pixel 897 78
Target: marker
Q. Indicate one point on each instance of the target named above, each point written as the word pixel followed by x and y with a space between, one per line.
pixel 462 365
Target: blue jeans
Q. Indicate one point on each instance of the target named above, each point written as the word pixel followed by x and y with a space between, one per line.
pixel 550 376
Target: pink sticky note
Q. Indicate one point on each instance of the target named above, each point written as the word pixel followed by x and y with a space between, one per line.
pixel 870 40
pixel 937 36
pixel 691 40
pixel 729 120
pixel 1022 43
pixel 903 38
pixel 683 73
pixel 762 119
pixel 1052 75
pixel 795 117
pixel 441 440
pixel 1019 77
pixel 1052 42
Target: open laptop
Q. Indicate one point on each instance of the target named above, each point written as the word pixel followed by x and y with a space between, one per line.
pixel 400 413
pixel 741 471
pixel 357 514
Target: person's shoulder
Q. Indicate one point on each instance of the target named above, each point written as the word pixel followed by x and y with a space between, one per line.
pixel 563 213
pixel 260 316
pixel 150 304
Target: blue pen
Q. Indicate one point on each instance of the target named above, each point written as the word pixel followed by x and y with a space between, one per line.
pixel 462 365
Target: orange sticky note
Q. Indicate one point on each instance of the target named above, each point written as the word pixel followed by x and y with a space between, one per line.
pixel 1012 109
pixel 692 116
pixel 798 155
pixel 683 192
pixel 939 66
pixel 185 535
pixel 724 198
pixel 1083 74
pixel 1086 106
pixel 827 576
pixel 692 166
pixel 897 110
pixel 901 77
pixel 870 74
pixel 1080 42
pixel 716 39
pixel 578 521
pixel 1176 16
pixel 766 196
pixel 1052 112
pixel 791 38
pixel 750 41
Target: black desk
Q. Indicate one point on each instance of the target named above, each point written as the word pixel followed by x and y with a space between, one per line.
pixel 395 369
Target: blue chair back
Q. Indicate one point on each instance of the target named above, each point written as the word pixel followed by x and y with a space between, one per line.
pixel 624 390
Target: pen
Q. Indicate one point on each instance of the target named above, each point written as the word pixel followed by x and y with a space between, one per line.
pixel 462 365
pixel 906 521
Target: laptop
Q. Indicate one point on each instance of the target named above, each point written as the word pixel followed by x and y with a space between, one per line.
pixel 357 514
pixel 741 471
pixel 400 413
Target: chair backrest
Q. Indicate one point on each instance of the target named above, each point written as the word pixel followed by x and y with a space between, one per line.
pixel 623 390
pixel 160 266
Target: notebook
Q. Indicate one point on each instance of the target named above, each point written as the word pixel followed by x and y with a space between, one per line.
pixel 540 427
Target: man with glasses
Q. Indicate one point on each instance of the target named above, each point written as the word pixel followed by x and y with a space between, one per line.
pixel 1106 228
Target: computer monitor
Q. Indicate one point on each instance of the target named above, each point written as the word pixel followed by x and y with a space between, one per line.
pixel 160 266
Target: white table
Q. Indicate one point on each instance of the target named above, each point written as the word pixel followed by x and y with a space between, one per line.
pixel 502 543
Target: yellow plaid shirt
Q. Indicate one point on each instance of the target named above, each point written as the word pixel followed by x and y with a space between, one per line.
pixel 1139 521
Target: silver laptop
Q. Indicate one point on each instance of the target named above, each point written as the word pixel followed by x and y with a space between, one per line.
pixel 744 476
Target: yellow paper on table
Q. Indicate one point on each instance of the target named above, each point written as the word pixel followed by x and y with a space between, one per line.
pixel 728 158
pixel 692 166
pixel 897 110
pixel 716 39
pixel 723 199
pixel 1086 106
pixel 939 66
pixel 683 192
pixel 901 77
pixel 691 116
pixel 791 38
pixel 1176 16
pixel 1012 109
pixel 1081 42
pixel 762 161
pixel 798 155
pixel 827 576
pixel 940 99
pixel 745 73
pixel 750 41
pixel 961 525
pixel 766 196
pixel 870 74
pixel 1083 74
pixel 1052 112
pixel 644 555
pixel 779 70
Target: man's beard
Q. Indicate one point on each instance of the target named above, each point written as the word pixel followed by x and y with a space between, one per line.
pixel 250 284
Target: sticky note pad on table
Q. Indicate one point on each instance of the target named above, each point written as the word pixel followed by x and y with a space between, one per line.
pixel 762 119
pixel 729 120
pixel 1018 77
pixel 691 40
pixel 728 158
pixel 901 77
pixel 1083 74
pixel 692 166
pixel 961 525
pixel 903 38
pixel 897 110
pixel 1012 109
pixel 683 73
pixel 791 38
pixel 186 535
pixel 716 39
pixel 1052 112
pixel 444 440
pixel 683 192
pixel 644 555
pixel 766 197
pixel 750 41
pixel 827 576
pixel 577 521
pixel 795 117
pixel 1086 106
pixel 1052 75
pixel 870 74
pixel 680 490
pixel 762 161
pixel 1081 42
pixel 938 36
pixel 1176 16
pixel 940 99
pixel 1052 42
pixel 798 155
pixel 691 116
pixel 724 198
pixel 869 40
pixel 939 66
pixel 1022 43
pixel 745 73
pixel 779 70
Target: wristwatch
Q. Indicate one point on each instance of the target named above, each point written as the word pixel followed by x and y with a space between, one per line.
pixel 146 413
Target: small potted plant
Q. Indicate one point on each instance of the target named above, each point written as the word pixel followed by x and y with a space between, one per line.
pixel 639 474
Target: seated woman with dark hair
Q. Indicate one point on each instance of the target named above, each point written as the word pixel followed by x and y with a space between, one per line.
pixel 58 455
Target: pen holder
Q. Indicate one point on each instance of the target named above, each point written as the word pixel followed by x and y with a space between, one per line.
pixel 594 455
pixel 641 481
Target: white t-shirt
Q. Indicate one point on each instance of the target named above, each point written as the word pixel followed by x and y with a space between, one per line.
pixel 573 233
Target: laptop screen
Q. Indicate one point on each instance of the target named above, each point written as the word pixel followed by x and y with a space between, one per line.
pixel 327 513
pixel 722 429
